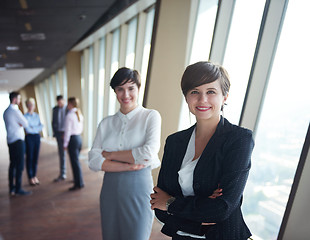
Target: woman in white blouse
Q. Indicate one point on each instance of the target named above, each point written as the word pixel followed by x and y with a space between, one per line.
pixel 126 148
pixel 73 141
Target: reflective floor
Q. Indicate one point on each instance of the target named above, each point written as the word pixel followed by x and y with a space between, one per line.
pixel 52 212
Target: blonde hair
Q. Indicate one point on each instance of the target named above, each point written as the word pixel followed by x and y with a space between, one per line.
pixel 30 100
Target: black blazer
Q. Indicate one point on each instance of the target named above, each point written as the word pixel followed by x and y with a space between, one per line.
pixel 225 162
pixel 55 121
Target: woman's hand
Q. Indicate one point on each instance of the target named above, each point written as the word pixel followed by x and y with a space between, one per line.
pixel 217 193
pixel 206 224
pixel 107 155
pixel 135 167
pixel 120 156
pixel 159 199
pixel 114 166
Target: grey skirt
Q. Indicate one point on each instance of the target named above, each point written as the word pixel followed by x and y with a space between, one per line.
pixel 125 205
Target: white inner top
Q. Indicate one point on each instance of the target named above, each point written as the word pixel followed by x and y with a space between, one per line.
pixel 186 174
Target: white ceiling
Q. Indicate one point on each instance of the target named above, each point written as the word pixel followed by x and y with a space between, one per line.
pixel 61 25
pixel 11 80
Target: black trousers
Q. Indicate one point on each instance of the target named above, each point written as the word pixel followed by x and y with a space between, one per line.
pixel 61 152
pixel 16 167
pixel 32 154
pixel 74 149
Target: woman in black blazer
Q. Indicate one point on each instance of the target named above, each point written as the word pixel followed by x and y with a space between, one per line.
pixel 204 168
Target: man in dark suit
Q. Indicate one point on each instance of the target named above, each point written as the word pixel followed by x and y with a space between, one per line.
pixel 58 124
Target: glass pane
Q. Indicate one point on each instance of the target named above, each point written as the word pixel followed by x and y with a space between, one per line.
pixel 5 102
pixel 282 127
pixel 90 95
pixel 146 51
pixel 201 48
pixel 204 30
pixel 240 52
pixel 101 80
pixel 114 67
pixel 52 95
pixel 65 82
pixel 131 43
pixel 57 80
pixel 48 106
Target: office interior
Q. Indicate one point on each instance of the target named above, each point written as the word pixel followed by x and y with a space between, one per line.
pixel 263 44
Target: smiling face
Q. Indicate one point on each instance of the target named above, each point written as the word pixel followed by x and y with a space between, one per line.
pixel 127 96
pixel 205 101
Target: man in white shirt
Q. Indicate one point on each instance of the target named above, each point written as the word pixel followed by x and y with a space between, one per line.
pixel 15 122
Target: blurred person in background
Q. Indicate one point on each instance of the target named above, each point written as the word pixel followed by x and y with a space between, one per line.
pixel 15 122
pixel 73 140
pixel 32 140
pixel 58 125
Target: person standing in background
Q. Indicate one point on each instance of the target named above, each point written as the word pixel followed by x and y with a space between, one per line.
pixel 58 125
pixel 73 140
pixel 14 124
pixel 32 140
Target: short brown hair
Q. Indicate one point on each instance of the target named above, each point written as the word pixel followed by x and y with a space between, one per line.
pixel 13 95
pixel 124 75
pixel 201 73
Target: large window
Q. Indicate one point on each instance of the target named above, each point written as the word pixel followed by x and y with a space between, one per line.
pixel 146 51
pixel 282 127
pixel 5 102
pixel 201 47
pixel 101 80
pixel 239 52
pixel 90 94
pixel 64 83
pixel 43 88
pixel 114 67
pixel 131 43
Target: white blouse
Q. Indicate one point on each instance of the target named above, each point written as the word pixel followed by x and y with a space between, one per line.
pixel 72 125
pixel 187 168
pixel 186 174
pixel 138 131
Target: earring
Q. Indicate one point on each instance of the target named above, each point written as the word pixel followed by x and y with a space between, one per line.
pixel 222 107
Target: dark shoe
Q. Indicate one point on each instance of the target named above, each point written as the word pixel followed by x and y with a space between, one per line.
pixel 60 178
pixel 75 188
pixel 23 193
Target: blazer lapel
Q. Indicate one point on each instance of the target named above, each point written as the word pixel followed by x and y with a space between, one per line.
pixel 181 147
pixel 183 140
pixel 211 147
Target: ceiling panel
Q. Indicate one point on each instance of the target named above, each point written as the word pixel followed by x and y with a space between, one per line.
pixel 59 24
